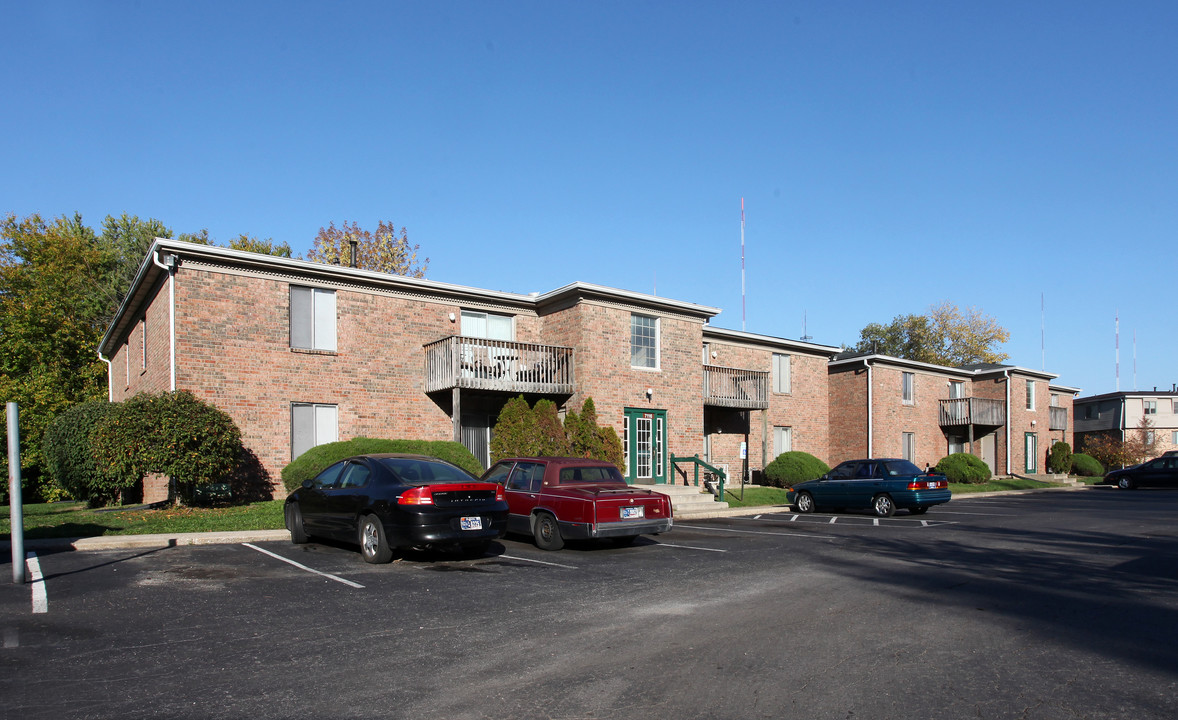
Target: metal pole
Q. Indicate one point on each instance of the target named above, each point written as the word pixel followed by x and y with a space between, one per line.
pixel 15 507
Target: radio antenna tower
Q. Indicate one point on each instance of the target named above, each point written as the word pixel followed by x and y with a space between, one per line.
pixel 742 311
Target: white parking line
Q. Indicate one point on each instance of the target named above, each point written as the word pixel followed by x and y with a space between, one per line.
pixel 40 594
pixel 755 532
pixel 958 512
pixel 691 547
pixel 539 562
pixel 329 576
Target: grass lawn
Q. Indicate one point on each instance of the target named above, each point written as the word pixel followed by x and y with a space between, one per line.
pixel 999 484
pixel 74 519
pixel 754 496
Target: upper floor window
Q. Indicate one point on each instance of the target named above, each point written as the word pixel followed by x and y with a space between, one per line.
pixel 781 372
pixel 1054 399
pixel 644 341
pixel 312 318
pixel 1030 394
pixel 1151 407
pixel 956 389
pixel 908 388
pixel 1088 412
pixel 487 326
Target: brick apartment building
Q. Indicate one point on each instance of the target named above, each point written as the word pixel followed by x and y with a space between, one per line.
pixel 884 406
pixel 300 353
pixel 1120 413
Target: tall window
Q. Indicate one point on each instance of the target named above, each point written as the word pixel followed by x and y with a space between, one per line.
pixel 644 341
pixel 956 389
pixel 1174 438
pixel 1054 399
pixel 488 326
pixel 908 388
pixel 312 424
pixel 781 379
pixel 1151 407
pixel 1031 448
pixel 908 446
pixel 143 345
pixel 312 318
pixel 1030 394
pixel 783 440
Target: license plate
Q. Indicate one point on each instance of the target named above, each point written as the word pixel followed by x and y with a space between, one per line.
pixel 633 512
pixel 472 523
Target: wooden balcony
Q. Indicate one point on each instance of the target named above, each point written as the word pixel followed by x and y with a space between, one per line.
pixel 1058 419
pixel 736 388
pixel 972 411
pixel 498 365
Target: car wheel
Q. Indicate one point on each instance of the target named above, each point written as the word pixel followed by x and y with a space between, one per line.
pixel 294 523
pixel 805 502
pixel 1126 483
pixel 547 532
pixel 373 544
pixel 918 510
pixel 624 540
pixel 883 506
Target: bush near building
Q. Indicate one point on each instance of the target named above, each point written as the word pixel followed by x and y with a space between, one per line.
pixel 69 455
pixel 535 432
pixel 793 467
pixel 320 457
pixel 964 468
pixel 1059 458
pixel 1086 465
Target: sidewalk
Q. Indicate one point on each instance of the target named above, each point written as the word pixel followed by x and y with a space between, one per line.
pixel 164 540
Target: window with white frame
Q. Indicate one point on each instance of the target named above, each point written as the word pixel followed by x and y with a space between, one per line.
pixel 908 446
pixel 1149 438
pixel 783 440
pixel 956 389
pixel 644 341
pixel 312 318
pixel 781 373
pixel 143 345
pixel 908 388
pixel 1031 452
pixel 956 444
pixel 488 326
pixel 1054 399
pixel 312 424
pixel 1150 407
pixel 1030 394
pixel 1174 438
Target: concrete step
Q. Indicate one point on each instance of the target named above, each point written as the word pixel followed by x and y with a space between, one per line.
pixel 688 499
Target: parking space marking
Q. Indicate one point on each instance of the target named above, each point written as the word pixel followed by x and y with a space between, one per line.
pixel 853 520
pixel 690 547
pixel 958 512
pixel 757 532
pixel 539 562
pixel 329 576
pixel 40 593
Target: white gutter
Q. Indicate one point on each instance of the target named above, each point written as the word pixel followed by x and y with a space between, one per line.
pixel 870 413
pixel 110 390
pixel 171 270
pixel 1006 373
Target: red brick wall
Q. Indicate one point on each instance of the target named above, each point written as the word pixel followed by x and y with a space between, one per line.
pixel 848 414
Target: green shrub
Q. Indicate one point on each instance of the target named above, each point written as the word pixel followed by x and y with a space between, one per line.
pixel 964 468
pixel 515 431
pixel 793 467
pixel 69 457
pixel 1086 465
pixel 550 433
pixel 173 433
pixel 1059 458
pixel 318 458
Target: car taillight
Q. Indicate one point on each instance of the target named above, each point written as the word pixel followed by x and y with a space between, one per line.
pixel 926 484
pixel 416 496
pixel 500 496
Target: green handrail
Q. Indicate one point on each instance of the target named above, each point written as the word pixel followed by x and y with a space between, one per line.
pixel 694 460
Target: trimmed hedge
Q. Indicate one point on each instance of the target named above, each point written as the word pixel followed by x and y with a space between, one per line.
pixel 1086 465
pixel 794 467
pixel 318 458
pixel 1059 458
pixel 964 468
pixel 69 456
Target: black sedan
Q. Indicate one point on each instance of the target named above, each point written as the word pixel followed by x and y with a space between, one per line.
pixel 388 501
pixel 1159 472
pixel 882 485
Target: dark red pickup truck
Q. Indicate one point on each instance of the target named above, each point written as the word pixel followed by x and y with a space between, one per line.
pixel 554 499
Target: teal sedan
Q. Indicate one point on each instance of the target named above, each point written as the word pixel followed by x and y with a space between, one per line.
pixel 881 485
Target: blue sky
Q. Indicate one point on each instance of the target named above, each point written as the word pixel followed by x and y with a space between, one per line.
pixel 1011 156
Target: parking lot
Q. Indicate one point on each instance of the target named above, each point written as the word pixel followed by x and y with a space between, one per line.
pixel 1048 605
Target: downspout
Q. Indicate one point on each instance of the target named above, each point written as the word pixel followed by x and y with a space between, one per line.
pixel 870 414
pixel 1006 374
pixel 110 390
pixel 170 268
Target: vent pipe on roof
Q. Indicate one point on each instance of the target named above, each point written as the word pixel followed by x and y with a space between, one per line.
pixel 354 244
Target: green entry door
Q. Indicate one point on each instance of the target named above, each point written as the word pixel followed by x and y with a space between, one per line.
pixel 645 443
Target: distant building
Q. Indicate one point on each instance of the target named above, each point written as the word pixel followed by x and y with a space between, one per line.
pixel 1117 414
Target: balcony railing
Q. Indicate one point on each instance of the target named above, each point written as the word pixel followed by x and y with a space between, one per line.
pixel 1058 419
pixel 973 411
pixel 736 388
pixel 501 365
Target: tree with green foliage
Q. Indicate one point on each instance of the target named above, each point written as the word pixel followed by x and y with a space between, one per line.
pixel 53 301
pixel 945 335
pixel 128 238
pixel 1059 457
pixel 549 433
pixel 69 454
pixel 382 250
pixel 514 433
pixel 792 467
pixel 964 468
pixel 249 243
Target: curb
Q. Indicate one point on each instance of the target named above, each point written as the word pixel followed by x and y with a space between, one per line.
pixel 167 540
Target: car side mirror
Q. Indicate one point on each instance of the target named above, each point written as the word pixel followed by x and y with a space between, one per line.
pixel 308 484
